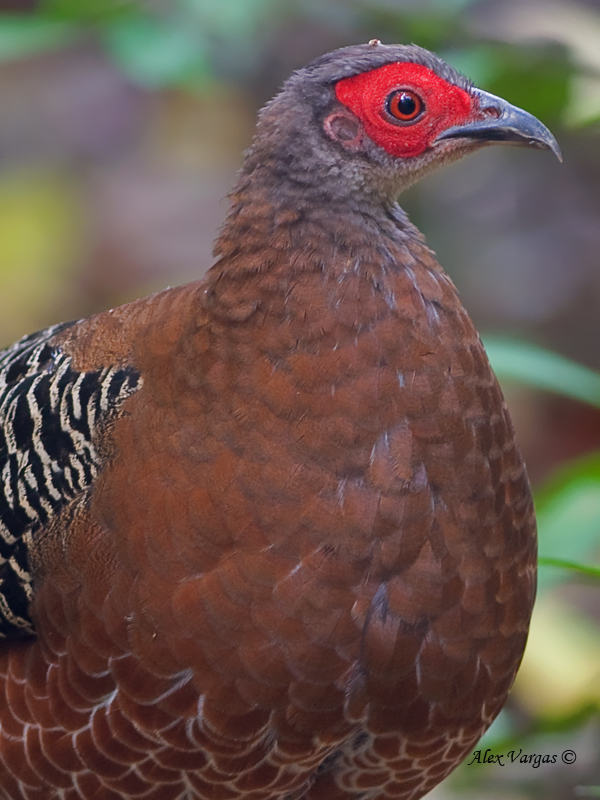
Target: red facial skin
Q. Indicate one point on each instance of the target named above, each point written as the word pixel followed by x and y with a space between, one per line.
pixel 444 104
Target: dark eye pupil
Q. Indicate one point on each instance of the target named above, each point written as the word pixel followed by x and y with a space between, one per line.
pixel 406 105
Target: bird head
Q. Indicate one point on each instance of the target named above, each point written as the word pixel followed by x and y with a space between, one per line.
pixel 375 118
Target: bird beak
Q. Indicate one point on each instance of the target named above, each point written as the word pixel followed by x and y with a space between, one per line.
pixel 506 124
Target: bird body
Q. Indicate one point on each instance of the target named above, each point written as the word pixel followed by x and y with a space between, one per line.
pixel 286 548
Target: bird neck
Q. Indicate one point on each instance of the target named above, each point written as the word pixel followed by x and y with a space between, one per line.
pixel 278 231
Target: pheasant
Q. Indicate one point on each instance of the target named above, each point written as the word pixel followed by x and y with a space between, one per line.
pixel 269 535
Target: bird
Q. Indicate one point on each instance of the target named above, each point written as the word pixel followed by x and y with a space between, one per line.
pixel 269 535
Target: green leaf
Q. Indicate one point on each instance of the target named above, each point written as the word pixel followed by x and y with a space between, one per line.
pixel 579 471
pixel 22 36
pixel 584 105
pixel 84 10
pixel 233 19
pixel 535 366
pixel 569 527
pixel 478 63
pixel 454 6
pixel 568 513
pixel 593 572
pixel 156 52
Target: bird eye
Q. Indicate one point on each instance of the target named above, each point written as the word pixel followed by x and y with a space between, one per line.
pixel 404 105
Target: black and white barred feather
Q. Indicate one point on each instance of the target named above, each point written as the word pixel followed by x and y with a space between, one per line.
pixel 50 415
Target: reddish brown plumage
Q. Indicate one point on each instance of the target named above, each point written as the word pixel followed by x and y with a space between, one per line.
pixel 307 563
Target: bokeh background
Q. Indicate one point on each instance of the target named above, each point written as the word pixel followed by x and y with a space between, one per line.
pixel 122 125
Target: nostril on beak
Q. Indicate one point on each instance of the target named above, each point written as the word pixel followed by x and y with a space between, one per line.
pixel 491 112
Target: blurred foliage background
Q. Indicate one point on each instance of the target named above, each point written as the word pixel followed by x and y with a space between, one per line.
pixel 121 127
